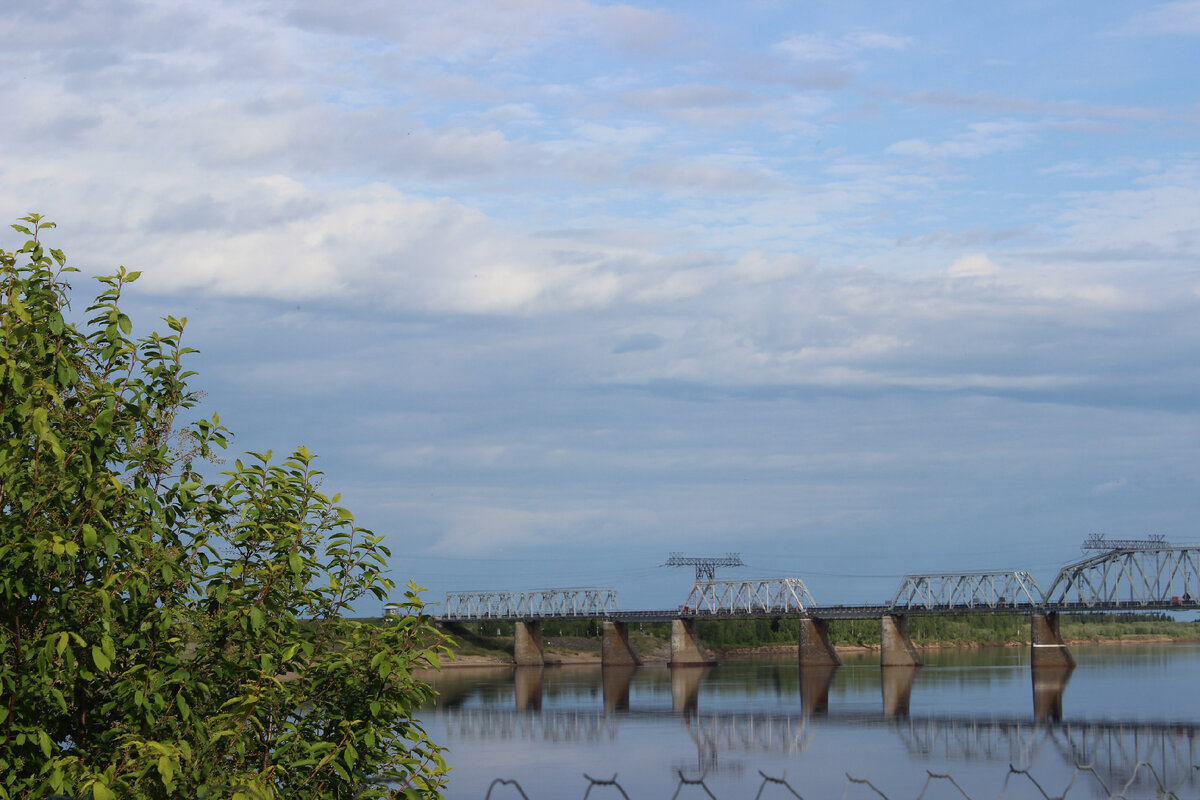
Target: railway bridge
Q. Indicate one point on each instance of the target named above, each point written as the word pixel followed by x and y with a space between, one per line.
pixel 1128 576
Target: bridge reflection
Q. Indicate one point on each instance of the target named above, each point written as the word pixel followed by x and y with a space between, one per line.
pixel 526 685
pixel 556 706
pixel 1118 751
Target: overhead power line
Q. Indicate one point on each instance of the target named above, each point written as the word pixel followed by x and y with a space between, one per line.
pixel 706 568
pixel 1098 541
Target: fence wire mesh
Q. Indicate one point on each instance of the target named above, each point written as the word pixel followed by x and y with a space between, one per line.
pixel 1015 784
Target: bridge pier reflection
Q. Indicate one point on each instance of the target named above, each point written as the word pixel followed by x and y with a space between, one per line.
pixel 527 687
pixel 615 682
pixel 897 683
pixel 814 689
pixel 685 687
pixel 1049 684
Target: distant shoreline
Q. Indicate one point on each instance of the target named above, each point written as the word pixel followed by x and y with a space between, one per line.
pixel 565 657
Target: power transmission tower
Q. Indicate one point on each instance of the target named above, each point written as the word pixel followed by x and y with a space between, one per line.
pixel 706 568
pixel 1097 541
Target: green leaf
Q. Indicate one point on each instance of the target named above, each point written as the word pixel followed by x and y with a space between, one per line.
pixel 102 661
pixel 44 742
pixel 257 618
pixel 166 769
pixel 101 792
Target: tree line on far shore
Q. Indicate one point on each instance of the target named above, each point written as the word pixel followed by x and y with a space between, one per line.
pixel 958 629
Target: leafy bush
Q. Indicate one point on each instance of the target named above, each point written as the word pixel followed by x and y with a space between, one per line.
pixel 162 635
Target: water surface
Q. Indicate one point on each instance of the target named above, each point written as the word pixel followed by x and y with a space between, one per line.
pixel 972 714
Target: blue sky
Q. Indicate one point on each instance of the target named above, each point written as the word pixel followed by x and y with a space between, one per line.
pixel 558 287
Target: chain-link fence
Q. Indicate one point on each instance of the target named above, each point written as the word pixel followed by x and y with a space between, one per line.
pixel 1017 784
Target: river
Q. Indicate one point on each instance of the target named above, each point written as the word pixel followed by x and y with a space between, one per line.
pixel 1125 721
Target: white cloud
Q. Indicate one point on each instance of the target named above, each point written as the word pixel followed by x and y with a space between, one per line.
pixel 482 530
pixel 759 266
pixel 823 47
pixel 1111 486
pixel 972 265
pixel 1180 17
pixel 981 139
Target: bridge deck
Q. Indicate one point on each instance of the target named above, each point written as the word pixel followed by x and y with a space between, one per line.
pixel 842 612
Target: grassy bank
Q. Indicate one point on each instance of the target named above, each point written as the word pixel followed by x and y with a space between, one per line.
pixel 582 637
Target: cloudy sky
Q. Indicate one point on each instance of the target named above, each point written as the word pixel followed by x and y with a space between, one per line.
pixel 557 287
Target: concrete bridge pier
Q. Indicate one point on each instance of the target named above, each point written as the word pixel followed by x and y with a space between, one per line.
pixel 815 648
pixel 896 648
pixel 685 645
pixel 527 644
pixel 1048 648
pixel 615 650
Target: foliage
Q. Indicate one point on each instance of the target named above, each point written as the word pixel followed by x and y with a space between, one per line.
pixel 162 635
pixel 727 634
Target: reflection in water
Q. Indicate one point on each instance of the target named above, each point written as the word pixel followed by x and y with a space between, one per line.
pixel 617 681
pixel 1049 683
pixel 743 716
pixel 1118 751
pixel 897 682
pixel 527 687
pixel 685 687
pixel 814 689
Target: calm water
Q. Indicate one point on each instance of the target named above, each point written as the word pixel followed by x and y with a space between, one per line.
pixel 969 714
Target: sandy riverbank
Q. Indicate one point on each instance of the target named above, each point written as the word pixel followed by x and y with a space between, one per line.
pixel 593 656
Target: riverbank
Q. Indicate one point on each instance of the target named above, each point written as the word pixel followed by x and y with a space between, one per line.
pixel 561 655
pixel 572 650
pixel 783 649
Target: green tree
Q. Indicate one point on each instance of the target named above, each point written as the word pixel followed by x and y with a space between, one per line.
pixel 164 634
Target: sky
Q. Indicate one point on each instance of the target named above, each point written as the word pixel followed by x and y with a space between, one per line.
pixel 556 288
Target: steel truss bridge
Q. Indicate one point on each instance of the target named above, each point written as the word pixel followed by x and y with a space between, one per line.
pixel 782 595
pixel 1141 578
pixel 541 604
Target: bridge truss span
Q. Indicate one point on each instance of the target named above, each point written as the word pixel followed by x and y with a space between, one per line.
pixel 968 591
pixel 1144 577
pixel 539 604
pixel 769 597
